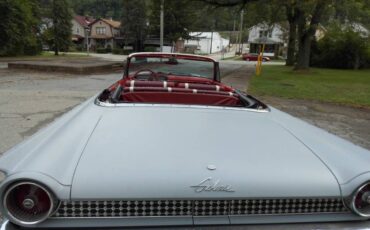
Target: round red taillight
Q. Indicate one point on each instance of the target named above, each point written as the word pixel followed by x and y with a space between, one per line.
pixel 28 203
pixel 361 201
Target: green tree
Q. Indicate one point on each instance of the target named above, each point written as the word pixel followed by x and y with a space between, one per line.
pixel 98 8
pixel 178 18
pixel 61 29
pixel 19 27
pixel 352 11
pixel 342 47
pixel 134 23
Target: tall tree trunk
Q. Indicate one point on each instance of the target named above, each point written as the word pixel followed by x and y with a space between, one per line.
pixel 56 41
pixel 292 16
pixel 303 58
pixel 356 64
pixel 306 32
pixel 291 44
pixel 56 46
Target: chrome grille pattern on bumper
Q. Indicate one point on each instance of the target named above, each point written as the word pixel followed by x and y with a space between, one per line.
pixel 286 206
pixel 199 207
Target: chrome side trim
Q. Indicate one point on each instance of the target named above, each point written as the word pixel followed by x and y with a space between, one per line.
pixel 325 221
pixel 114 105
pixel 171 54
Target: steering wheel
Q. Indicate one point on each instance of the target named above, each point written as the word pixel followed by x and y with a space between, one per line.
pixel 153 75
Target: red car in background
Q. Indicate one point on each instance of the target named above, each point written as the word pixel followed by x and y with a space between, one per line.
pixel 253 57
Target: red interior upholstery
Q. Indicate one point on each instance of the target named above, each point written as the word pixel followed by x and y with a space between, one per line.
pixel 181 98
pixel 176 90
pixel 179 90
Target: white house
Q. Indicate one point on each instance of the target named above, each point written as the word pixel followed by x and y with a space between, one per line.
pixel 271 36
pixel 202 42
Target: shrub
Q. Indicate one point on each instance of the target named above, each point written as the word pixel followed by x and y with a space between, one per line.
pixel 72 48
pixel 127 52
pixel 117 51
pixel 150 49
pixel 101 50
pixel 108 49
pixel 341 49
pixel 33 48
pixel 81 48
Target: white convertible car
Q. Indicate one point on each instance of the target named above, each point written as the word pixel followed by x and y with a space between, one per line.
pixel 169 144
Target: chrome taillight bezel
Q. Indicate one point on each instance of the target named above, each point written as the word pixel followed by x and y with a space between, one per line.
pixel 353 201
pixel 16 220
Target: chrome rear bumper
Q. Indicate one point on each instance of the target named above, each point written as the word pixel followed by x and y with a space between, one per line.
pixel 354 225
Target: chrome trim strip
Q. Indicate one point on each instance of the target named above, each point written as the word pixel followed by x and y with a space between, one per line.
pixel 113 105
pixel 171 54
pixel 192 216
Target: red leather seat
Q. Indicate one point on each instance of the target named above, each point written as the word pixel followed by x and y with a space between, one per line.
pixel 181 98
pixel 176 90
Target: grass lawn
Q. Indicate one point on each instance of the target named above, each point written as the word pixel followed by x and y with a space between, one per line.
pixel 350 87
pixel 47 55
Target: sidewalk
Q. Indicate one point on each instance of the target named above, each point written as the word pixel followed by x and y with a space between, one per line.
pixel 108 56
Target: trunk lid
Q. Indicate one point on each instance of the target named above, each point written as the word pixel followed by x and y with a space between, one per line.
pixel 176 153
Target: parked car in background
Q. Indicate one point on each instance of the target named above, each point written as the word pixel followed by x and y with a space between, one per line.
pixel 169 144
pixel 253 57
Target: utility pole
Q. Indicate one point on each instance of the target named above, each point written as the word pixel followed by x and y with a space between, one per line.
pixel 87 30
pixel 212 29
pixel 241 30
pixel 161 30
pixel 210 51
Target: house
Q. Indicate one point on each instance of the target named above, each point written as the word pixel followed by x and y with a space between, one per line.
pixel 105 33
pixel 356 27
pixel 361 29
pixel 80 24
pixel 271 36
pixel 203 42
pixel 320 32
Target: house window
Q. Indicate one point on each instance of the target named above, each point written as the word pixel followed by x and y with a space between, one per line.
pixel 263 33
pixel 100 30
pixel 78 30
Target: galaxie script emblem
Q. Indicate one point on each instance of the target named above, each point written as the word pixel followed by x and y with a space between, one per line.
pixel 208 185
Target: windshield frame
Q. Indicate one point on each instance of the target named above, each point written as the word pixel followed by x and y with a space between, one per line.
pixel 216 68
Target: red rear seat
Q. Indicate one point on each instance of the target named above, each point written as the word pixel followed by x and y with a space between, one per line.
pixel 181 98
pixel 176 90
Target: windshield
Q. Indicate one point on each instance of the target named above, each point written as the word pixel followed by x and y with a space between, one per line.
pixel 173 66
